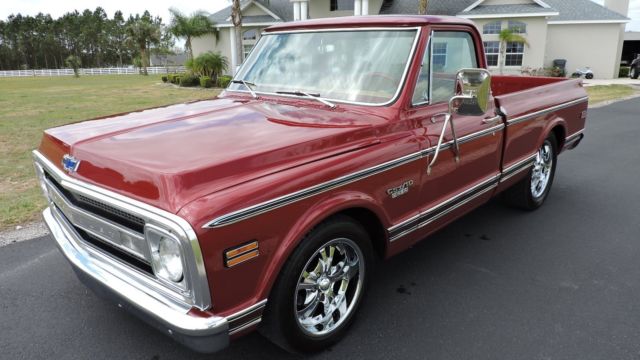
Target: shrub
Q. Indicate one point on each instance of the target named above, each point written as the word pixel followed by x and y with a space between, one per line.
pixel 208 64
pixel 624 71
pixel 223 81
pixel 189 80
pixel 73 62
pixel 205 82
pixel 176 80
pixel 165 78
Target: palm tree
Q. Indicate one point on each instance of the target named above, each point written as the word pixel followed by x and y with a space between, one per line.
pixel 422 7
pixel 188 27
pixel 141 34
pixel 507 36
pixel 236 18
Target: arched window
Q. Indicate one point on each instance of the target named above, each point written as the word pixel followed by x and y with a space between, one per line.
pixel 517 27
pixel 492 27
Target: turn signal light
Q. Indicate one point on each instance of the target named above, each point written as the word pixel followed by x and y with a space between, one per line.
pixel 240 254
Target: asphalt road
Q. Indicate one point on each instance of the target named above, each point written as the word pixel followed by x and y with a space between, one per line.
pixel 559 283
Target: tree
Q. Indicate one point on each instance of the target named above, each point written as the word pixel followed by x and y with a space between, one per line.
pixel 422 7
pixel 141 34
pixel 236 19
pixel 188 27
pixel 507 36
pixel 73 62
pixel 209 64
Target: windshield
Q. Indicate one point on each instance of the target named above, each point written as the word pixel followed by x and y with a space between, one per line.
pixel 362 66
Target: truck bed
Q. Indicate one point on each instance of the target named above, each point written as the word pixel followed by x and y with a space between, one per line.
pixel 534 106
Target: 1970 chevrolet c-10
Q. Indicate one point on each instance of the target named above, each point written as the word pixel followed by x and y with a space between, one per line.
pixel 339 141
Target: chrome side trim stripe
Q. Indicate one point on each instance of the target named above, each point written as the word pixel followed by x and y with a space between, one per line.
pixel 430 215
pixel 287 199
pixel 545 111
pixel 518 167
pixel 574 137
pixel 464 139
pixel 246 317
pixel 281 201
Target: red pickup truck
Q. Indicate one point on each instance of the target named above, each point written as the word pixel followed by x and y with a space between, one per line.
pixel 339 141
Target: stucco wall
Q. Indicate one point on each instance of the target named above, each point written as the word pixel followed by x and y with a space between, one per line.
pixel 208 43
pixel 593 45
pixel 534 54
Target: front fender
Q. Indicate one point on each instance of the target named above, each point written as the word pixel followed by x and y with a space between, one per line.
pixel 323 209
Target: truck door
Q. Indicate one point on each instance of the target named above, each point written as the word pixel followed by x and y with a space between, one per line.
pixel 454 185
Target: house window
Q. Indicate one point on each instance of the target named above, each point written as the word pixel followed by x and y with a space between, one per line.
pixel 250 35
pixel 492 50
pixel 338 5
pixel 249 39
pixel 515 53
pixel 492 27
pixel 517 27
pixel 439 54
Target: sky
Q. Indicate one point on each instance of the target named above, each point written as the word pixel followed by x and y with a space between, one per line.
pixel 161 7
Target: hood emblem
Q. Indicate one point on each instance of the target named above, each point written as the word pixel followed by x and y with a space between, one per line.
pixel 70 164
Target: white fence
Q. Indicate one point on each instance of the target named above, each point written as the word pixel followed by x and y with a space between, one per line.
pixel 92 71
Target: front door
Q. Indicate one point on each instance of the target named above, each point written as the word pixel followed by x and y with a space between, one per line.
pixel 452 185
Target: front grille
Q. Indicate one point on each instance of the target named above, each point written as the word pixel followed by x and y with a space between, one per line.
pixel 144 266
pixel 107 212
pixel 103 210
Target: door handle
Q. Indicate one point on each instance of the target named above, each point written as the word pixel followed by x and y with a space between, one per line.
pixel 492 120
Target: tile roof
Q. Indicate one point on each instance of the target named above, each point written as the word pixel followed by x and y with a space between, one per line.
pixel 582 10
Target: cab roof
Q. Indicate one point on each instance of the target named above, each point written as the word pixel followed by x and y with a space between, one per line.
pixel 369 21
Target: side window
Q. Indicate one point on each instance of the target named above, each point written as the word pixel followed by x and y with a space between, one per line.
pixel 449 51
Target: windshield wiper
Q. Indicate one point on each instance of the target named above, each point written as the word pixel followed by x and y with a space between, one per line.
pixel 248 85
pixel 308 95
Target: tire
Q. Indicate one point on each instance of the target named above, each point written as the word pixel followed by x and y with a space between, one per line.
pixel 589 76
pixel 295 318
pixel 634 73
pixel 531 192
pixel 575 75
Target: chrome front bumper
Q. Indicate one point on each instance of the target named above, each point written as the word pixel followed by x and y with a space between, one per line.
pixel 99 273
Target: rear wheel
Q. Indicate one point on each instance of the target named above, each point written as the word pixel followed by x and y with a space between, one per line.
pixel 589 76
pixel 531 192
pixel 320 287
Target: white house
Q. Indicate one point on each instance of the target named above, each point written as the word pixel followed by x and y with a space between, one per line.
pixel 580 31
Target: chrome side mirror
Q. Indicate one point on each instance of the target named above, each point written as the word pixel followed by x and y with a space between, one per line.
pixel 473 92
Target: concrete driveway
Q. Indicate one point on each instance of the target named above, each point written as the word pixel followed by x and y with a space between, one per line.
pixel 559 283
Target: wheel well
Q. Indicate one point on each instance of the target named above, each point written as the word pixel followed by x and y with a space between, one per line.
pixel 372 224
pixel 560 135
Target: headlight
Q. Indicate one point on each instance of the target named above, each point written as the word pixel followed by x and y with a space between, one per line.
pixel 166 255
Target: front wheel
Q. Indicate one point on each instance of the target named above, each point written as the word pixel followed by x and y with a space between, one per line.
pixel 634 73
pixel 320 287
pixel 531 192
pixel 589 76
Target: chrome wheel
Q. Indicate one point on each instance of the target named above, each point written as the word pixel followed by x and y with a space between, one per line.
pixel 541 172
pixel 329 287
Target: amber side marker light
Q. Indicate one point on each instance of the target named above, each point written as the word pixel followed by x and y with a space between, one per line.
pixel 240 254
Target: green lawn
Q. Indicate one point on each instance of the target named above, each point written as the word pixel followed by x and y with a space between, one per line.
pixel 30 105
pixel 600 93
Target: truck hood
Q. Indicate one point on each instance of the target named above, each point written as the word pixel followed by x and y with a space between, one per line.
pixel 173 155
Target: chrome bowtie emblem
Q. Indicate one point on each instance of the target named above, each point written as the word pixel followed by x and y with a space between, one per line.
pixel 70 164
